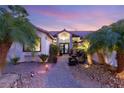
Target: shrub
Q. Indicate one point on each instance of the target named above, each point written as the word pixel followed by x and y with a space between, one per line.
pixel 43 57
pixel 15 60
pixel 53 51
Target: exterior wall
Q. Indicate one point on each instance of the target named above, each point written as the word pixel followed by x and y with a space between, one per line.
pixel 76 39
pixel 111 58
pixel 68 41
pixel 49 41
pixel 17 49
pixel 70 44
pixel 95 58
pixel 64 37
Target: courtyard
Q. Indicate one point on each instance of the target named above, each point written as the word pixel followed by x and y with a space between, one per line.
pixel 60 75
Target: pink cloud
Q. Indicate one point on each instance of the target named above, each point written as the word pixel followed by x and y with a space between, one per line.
pixel 94 15
pixel 86 27
pixel 89 20
pixel 60 14
pixel 98 23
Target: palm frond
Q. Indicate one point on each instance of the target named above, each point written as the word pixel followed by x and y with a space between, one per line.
pixel 16 29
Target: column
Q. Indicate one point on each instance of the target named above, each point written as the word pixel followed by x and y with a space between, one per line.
pixel 71 41
pixel 57 41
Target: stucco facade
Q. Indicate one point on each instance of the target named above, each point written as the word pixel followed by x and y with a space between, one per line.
pixel 65 39
pixel 18 50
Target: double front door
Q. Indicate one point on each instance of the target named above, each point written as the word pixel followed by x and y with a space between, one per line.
pixel 64 48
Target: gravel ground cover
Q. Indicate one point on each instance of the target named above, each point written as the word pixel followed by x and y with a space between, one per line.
pixel 31 74
pixel 60 75
pixel 99 73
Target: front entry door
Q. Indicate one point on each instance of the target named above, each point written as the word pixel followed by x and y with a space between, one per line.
pixel 64 48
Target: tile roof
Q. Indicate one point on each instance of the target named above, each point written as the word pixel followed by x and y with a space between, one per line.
pixel 74 33
pixel 46 32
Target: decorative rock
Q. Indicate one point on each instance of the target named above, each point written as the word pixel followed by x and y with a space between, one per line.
pixel 120 75
pixel 103 74
pixel 8 80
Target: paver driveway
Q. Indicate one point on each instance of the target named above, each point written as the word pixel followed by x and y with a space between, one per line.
pixel 64 76
pixel 59 75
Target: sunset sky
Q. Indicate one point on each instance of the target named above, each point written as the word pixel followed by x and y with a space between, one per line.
pixel 75 18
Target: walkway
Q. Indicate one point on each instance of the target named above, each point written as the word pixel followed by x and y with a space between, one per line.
pixel 64 76
pixel 59 75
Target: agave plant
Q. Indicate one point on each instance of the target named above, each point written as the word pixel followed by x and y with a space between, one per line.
pixel 15 60
pixel 43 57
pixel 14 27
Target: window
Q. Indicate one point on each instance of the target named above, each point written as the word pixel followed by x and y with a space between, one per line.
pixel 64 37
pixel 27 48
pixel 77 39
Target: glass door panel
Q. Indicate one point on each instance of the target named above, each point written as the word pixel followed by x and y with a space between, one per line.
pixel 61 48
pixel 64 48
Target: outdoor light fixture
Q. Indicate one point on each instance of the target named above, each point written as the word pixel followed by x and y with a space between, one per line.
pixel 46 67
pixel 63 38
pixel 32 74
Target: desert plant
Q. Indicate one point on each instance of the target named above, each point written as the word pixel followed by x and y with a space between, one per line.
pixel 14 27
pixel 53 51
pixel 43 57
pixel 15 60
pixel 102 40
pixel 118 27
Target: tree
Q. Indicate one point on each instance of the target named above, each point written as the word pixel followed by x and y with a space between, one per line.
pixel 85 46
pixel 14 27
pixel 118 27
pixel 96 45
pixel 102 40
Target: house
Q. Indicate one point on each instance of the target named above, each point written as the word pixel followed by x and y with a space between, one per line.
pixel 65 39
pixel 22 51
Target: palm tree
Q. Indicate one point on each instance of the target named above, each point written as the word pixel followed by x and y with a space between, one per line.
pixel 14 27
pixel 118 27
pixel 96 46
pixel 102 40
pixel 109 40
pixel 85 46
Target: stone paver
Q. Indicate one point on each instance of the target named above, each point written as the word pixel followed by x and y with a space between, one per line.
pixel 60 75
pixel 64 76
